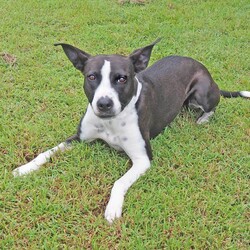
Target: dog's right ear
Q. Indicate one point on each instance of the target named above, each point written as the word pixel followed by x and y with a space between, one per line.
pixel 75 55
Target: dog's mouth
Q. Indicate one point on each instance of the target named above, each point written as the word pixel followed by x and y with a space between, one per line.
pixel 105 115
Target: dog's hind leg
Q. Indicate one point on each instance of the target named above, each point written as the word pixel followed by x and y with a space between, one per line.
pixel 44 157
pixel 203 115
pixel 204 118
pixel 205 96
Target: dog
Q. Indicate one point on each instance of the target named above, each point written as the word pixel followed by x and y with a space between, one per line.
pixel 129 104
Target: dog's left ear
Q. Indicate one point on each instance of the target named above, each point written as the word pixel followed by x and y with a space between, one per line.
pixel 140 57
pixel 75 55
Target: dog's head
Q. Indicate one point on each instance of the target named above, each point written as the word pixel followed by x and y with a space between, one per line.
pixel 109 79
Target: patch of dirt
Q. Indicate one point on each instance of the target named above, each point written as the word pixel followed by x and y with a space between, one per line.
pixel 3 151
pixel 8 58
pixel 133 1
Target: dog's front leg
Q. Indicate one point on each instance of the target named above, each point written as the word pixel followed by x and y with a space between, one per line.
pixel 44 157
pixel 121 186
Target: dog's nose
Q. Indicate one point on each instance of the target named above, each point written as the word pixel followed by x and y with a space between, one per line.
pixel 104 104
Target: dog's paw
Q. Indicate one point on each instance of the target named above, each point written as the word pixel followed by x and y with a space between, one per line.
pixel 205 117
pixel 202 121
pixel 25 169
pixel 113 211
pixel 114 208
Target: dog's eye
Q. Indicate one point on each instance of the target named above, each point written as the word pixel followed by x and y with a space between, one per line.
pixel 122 79
pixel 91 77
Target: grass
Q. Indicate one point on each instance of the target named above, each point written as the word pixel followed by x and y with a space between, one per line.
pixel 196 194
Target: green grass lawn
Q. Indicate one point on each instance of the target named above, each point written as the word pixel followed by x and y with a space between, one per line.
pixel 196 194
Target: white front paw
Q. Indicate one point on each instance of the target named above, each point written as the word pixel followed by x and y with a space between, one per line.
pixel 113 211
pixel 25 169
pixel 114 207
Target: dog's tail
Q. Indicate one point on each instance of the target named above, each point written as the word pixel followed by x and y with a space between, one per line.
pixel 229 94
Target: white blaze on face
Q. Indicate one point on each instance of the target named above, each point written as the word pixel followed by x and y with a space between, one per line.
pixel 105 90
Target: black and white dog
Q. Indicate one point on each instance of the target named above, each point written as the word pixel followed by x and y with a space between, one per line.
pixel 129 105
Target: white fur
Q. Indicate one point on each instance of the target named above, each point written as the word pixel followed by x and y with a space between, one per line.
pixel 105 90
pixel 245 94
pixel 140 165
pixel 195 106
pixel 112 129
pixel 121 132
pixel 38 161
pixel 205 117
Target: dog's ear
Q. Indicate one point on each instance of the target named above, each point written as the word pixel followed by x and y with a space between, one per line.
pixel 75 55
pixel 140 57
